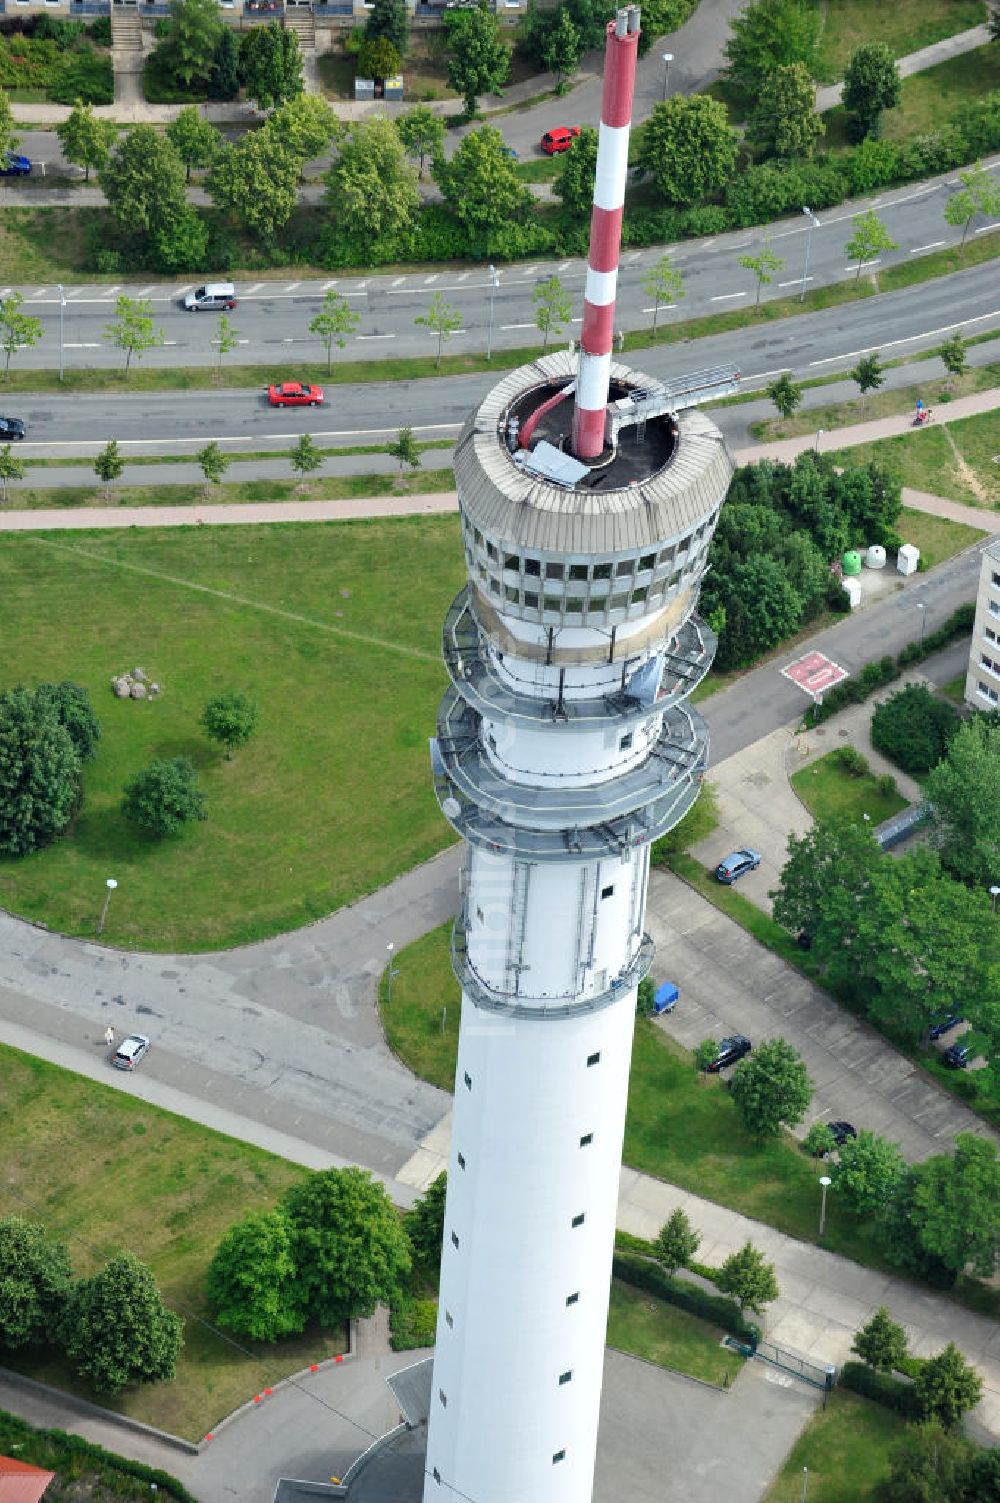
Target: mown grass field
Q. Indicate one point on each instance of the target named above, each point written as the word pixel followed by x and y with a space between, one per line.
pixel 126 492
pixel 960 461
pixel 647 1327
pixel 846 1448
pixel 829 792
pixel 846 24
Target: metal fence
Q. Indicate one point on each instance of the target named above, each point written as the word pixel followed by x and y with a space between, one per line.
pixel 820 1375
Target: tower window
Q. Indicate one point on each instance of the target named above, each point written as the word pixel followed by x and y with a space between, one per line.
pixel 625 566
pixel 586 1140
pixel 468 1081
pixel 602 571
pixel 559 1456
pixel 449 1320
pixel 551 603
pixel 578 1219
pixel 461 1160
pixel 565 1377
pixel 578 571
pixel 437 1476
pixel 532 566
pixel 625 742
pixel 443 1397
pixel 511 561
pixel 531 600
pixel 491 551
pixel 608 892
pixel 574 1298
pixel 512 593
pixel 454 1239
pixel 647 561
pixel 553 571
pixel 592 1059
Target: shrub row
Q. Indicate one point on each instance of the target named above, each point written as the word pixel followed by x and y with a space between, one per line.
pixel 413 1322
pixel 875 675
pixel 67 73
pixel 642 1273
pixel 883 1388
pixel 71 1456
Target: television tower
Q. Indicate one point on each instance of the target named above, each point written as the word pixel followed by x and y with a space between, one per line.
pixel 588 496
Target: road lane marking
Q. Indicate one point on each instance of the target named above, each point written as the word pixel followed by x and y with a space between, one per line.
pixel 517 326
pixel 429 280
pixel 382 336
pixel 916 249
pixel 398 282
pixel 861 265
pixel 251 290
pixel 327 285
pixel 144 291
pixel 564 265
pixel 909 339
pixel 292 286
pixel 663 308
pixel 796 282
pixel 984 227
pixel 724 296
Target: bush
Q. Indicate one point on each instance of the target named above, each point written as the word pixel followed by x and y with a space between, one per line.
pixel 72 1456
pixel 819 1140
pixel 886 784
pixel 413 1322
pixel 873 164
pixel 705 1053
pixel 979 123
pixel 85 78
pixel 914 728
pixel 850 760
pixel 633 1269
pixel 938 151
pixel 881 1388
pixel 99 31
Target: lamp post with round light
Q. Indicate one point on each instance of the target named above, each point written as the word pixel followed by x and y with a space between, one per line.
pixel 819 435
pixel 825 1183
pixel 812 225
pixel 494 276
pixel 111 884
pixel 668 58
pixel 391 973
pixel 994 894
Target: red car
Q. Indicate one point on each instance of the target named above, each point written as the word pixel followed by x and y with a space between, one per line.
pixel 560 139
pixel 295 394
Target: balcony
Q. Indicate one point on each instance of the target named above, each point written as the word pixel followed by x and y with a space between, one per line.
pixel 514 1004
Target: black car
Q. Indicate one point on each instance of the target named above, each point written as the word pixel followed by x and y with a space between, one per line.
pixel 11 428
pixel 730 1050
pixel 957 1057
pixel 943 1025
pixel 841 1131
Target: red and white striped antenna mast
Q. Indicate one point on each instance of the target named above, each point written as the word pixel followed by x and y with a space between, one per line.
pixel 596 341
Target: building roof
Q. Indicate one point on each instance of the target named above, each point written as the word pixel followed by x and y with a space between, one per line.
pixel 20 1482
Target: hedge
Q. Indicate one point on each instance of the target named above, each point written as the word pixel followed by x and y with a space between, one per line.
pixel 413 1322
pixel 883 1388
pixel 642 1273
pixel 875 675
pixel 70 1456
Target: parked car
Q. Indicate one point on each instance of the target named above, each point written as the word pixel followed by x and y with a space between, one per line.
pixel 130 1051
pixel 559 139
pixel 214 297
pixel 736 865
pixel 14 165
pixel 957 1057
pixel 730 1050
pixel 294 394
pixel 11 428
pixel 944 1025
pixel 841 1131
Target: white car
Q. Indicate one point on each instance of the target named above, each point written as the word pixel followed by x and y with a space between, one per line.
pixel 130 1051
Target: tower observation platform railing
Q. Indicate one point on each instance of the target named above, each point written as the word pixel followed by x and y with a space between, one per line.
pixel 514 1003
pixel 693 390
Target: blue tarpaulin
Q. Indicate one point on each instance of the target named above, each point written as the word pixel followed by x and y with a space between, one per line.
pixel 665 997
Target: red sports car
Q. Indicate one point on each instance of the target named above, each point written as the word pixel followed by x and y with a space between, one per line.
pixel 295 394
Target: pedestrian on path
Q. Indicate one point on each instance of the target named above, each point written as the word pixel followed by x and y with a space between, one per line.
pixel 109 1035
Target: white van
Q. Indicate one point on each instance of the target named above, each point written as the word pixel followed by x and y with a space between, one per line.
pixel 213 297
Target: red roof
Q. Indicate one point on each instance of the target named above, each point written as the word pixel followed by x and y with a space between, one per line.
pixel 21 1483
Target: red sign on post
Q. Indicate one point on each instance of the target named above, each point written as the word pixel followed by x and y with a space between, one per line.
pixel 815 673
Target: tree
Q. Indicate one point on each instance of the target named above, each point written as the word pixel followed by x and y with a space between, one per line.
pixel 749 1278
pixel 349 1247
pixel 867 1173
pixel 478 56
pixel 872 85
pixel 305 457
pixel 954 355
pixel 552 308
pixel 251 1281
pixel 914 728
pixel 86 140
pixel 109 466
pixel 224 81
pixel 762 609
pixel 441 319
pixel 994 23
pixel 955 1206
pixel 227 339
pixel 767 35
pixel 305 125
pixel 421 131
pixel 819 1141
pixel 371 187
pixel 931 1465
pixel 665 284
pixel 143 181
pixel 213 463
pixel 784 122
pixel 70 703
pixel 785 394
pixel 424 1226
pixel 11 468
pixel 979 194
pixel 164 797
pixel 40 781
pixel 946 1387
pixel 771 1087
pixel 763 266
pixel 389 19
pixel 270 64
pixel 118 1330
pixel 405 449
pixel 676 1242
pixel 35 1278
pixel 963 795
pixel 574 182
pixel 823 887
pixel 231 719
pixel 869 239
pixel 562 49
pixel 188 49
pixel 18 331
pixel 881 1343
pixel 182 244
pixel 8 140
pixel 195 139
pixel 868 375
pixel 480 186
pixel 378 58
pixel 255 180
pixel 688 148
pixel 333 323
pixel 133 330
pixel 706 1052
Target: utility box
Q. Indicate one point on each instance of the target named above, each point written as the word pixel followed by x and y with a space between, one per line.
pixel 393 88
pixel 875 556
pixel 907 559
pixel 853 590
pixel 665 997
pixel 364 88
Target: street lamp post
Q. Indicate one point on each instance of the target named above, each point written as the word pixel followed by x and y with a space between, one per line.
pixel 62 310
pixel 921 607
pixel 819 435
pixel 805 1484
pixel 391 974
pixel 813 225
pixel 494 284
pixel 825 1183
pixel 994 894
pixel 111 884
pixel 668 58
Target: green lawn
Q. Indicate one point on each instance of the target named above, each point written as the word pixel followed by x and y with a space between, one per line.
pixel 106 1171
pixel 956 460
pixel 234 493
pixel 829 792
pixel 331 800
pixel 846 24
pixel 939 93
pixel 647 1327
pixel 954 689
pixel 846 1447
pixel 938 538
pixel 899 402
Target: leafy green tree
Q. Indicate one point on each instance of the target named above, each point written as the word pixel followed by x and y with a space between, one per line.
pixel 574 182
pixel 771 1088
pixel 480 186
pixel 913 728
pixel 35 1279
pixel 371 187
pixel 762 609
pixel 688 148
pixel 378 58
pixel 70 703
pixel 231 719
pixel 224 80
pixel 421 131
pixel 749 1278
pixel 979 194
pixel 881 1343
pixel 763 266
pixel 251 1281
pixel 405 449
pixel 563 49
pixel 665 285
pixel 869 240
pixel 785 394
pixel 40 782
pixel 143 181
pixel 930 1465
pixel 993 22
pixel 8 140
pixel 182 244
pixel 164 797
pixel 824 886
pixel 954 356
pixel 767 35
pixel 955 1206
pixel 868 375
pixel 188 49
pixel 706 1052
pixel 254 181
pixel 819 1140
pixel 109 466
pixel 270 64
pixel 333 323
pixel 478 56
pixel 947 1387
pixel 305 457
pixel 227 339
pixel 784 122
pixel 18 331
pixel 85 139
pixel 133 330
pixel 194 138
pixel 118 1330
pixel 867 1173
pixel 305 125
pixel 389 19
pixel 872 85
pixel 11 468
pixel 424 1226
pixel 552 308
pixel 963 794
pixel 212 462
pixel 982 1474
pixel 348 1244
pixel 441 319
pixel 676 1242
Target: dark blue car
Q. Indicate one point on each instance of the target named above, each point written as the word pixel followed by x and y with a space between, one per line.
pixel 944 1025
pixel 14 165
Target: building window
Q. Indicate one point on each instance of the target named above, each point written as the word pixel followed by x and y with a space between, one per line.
pixel 479 915
pixel 987 692
pixel 593 1059
pixel 512 593
pixel 996 578
pixel 625 744
pixel 557 1457
pixel 586 1140
pixel 565 1377
pixel 553 571
pixel 454 1239
pixel 608 892
pixel 491 552
pixel 511 561
pixel 990 664
pixel 443 1397
pixel 532 566
pixel 574 1298
pixel 494 586
pixel 468 1081
pixel 461 1160
pixel 578 571
pixel 993 607
pixel 531 600
pixel 602 571
pixel 989 634
pixel 648 561
pixel 449 1322
pixel 437 1476
pixel 578 1219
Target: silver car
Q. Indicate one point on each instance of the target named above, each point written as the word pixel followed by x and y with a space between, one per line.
pixel 130 1051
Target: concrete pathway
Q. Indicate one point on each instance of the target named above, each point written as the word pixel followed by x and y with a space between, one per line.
pixel 917 62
